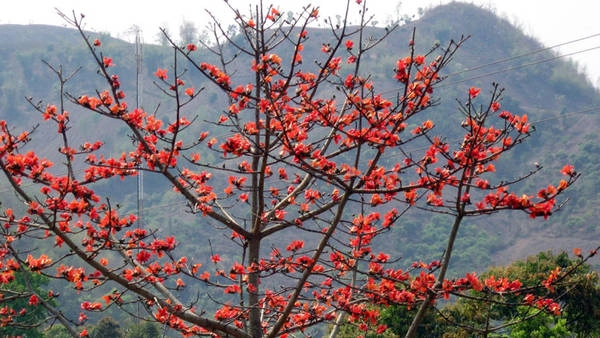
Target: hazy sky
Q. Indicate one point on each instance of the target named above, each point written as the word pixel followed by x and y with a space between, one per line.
pixel 551 21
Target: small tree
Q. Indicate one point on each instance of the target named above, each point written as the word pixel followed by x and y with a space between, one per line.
pixel 143 330
pixel 161 38
pixel 306 166
pixel 188 33
pixel 106 327
pixel 542 326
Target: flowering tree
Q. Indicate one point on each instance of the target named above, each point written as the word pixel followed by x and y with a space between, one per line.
pixel 312 166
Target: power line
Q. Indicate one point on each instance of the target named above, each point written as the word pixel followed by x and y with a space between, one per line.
pixel 537 51
pixel 515 67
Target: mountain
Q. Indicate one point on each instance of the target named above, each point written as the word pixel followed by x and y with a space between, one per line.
pixel 559 100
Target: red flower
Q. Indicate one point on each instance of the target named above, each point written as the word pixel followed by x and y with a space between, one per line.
pixel 143 256
pixel 282 174
pixel 529 298
pixel 234 288
pixel 161 73
pixel 97 43
pixel 191 47
pixel 473 92
pixel 349 44
pixel 279 214
pixel 211 142
pixel 274 15
pixel 37 264
pixel 189 91
pixel 568 170
pixel 382 257
pixel 91 306
pixel 376 200
pixel 495 106
pixel 33 300
pixel 107 62
pixel 295 245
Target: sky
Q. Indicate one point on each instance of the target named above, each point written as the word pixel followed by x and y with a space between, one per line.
pixel 553 22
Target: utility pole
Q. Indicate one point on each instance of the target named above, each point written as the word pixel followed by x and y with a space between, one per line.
pixel 138 102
